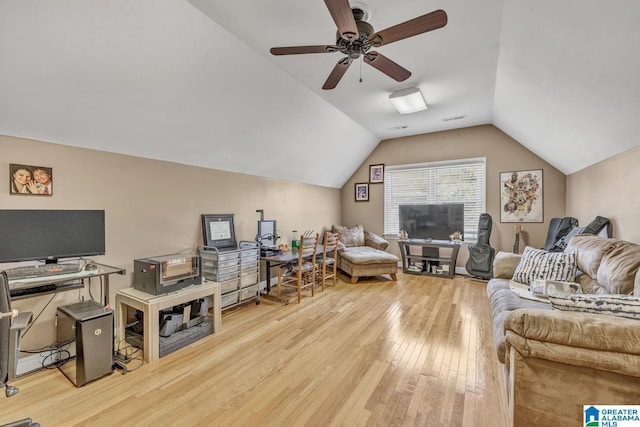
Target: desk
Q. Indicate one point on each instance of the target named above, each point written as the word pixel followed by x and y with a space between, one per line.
pixel 281 259
pixel 150 305
pixel 67 282
pixel 431 261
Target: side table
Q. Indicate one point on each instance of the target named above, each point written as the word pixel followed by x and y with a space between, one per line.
pixel 150 305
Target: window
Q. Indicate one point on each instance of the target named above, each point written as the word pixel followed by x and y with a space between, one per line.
pixel 461 181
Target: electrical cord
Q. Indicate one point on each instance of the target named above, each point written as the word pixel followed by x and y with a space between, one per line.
pixel 39 314
pixel 127 353
pixel 58 353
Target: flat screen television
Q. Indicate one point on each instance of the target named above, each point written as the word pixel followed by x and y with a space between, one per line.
pixel 50 235
pixel 436 221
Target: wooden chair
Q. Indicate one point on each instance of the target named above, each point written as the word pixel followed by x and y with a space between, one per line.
pixel 302 274
pixel 327 262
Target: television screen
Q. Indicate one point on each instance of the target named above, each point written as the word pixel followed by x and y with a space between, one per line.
pixel 49 235
pixel 436 222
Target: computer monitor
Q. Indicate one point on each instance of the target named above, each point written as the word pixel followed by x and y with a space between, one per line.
pixel 50 234
pixel 267 234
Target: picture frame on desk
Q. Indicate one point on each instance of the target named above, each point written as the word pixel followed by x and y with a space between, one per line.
pixel 362 192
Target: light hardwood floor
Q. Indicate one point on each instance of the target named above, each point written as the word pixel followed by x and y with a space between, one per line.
pixel 416 352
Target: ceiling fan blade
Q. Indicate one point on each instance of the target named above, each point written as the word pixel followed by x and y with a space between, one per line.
pixel 387 66
pixel 295 50
pixel 343 17
pixel 413 27
pixel 337 73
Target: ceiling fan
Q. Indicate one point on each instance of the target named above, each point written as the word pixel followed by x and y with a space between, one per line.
pixel 356 37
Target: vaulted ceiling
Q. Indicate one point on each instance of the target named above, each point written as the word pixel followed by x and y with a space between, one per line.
pixel 194 82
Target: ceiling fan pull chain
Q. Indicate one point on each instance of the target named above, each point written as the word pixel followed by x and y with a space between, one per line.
pixel 360 71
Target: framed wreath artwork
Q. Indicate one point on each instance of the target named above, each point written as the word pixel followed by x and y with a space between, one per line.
pixel 521 196
pixel 362 192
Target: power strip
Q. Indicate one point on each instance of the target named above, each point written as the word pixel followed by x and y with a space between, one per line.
pixel 122 357
pixel 119 365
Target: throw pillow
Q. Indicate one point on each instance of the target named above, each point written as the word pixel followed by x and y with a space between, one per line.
pixel 617 305
pixel 540 264
pixel 350 236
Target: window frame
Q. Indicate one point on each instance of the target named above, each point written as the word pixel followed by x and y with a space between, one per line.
pixel 480 196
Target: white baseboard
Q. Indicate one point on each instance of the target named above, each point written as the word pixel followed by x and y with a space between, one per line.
pixel 34 362
pixel 461 270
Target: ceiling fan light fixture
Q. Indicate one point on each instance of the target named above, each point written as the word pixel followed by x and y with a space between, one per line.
pixel 408 101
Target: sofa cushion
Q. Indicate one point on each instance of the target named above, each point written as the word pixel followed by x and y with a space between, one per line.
pixel 495 285
pixel 350 236
pixel 375 241
pixel 367 255
pixel 590 250
pixel 611 265
pixel 505 264
pixel 615 305
pixel 503 302
pixel 618 268
pixel 540 264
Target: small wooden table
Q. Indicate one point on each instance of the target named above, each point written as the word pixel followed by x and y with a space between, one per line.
pixel 150 305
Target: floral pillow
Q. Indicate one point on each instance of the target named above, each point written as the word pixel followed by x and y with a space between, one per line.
pixel 540 264
pixel 350 236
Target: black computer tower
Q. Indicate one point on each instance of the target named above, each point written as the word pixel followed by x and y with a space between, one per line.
pixel 88 326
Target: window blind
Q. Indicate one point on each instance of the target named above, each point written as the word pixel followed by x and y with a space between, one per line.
pixel 461 181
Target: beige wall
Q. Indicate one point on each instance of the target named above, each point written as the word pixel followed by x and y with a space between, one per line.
pixel 608 189
pixel 153 207
pixel 502 154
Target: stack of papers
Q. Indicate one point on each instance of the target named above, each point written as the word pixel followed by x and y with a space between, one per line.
pixel 543 287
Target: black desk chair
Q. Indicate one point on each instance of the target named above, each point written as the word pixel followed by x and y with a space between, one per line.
pixel 5 334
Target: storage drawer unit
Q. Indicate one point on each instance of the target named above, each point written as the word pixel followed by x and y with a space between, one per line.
pixel 237 271
pixel 229 300
pixel 249 277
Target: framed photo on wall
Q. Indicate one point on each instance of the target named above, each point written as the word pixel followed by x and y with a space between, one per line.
pixel 376 174
pixel 521 196
pixel 28 180
pixel 362 192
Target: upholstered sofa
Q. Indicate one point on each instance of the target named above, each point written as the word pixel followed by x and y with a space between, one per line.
pixel 361 253
pixel 587 352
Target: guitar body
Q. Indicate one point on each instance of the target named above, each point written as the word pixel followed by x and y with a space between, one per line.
pixel 481 254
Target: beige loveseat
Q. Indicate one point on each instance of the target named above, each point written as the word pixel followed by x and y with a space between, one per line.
pixel 556 361
pixel 362 253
